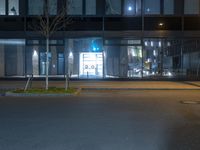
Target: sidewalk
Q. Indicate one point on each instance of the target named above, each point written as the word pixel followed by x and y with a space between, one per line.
pixel 109 85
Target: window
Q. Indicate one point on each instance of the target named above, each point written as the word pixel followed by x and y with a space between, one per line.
pixel 168 7
pixel 2 7
pixel 13 7
pixel 74 7
pixel 90 7
pixel 52 7
pixel 132 7
pixel 113 7
pixel 191 7
pixel 152 6
pixel 35 7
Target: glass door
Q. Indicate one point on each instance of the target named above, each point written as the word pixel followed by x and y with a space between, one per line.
pixel 91 65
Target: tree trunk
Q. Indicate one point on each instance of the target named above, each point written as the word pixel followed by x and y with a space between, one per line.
pixel 47 64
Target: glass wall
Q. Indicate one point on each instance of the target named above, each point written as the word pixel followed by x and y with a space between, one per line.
pixel 123 58
pixel 85 57
pixel 132 7
pixel 13 7
pixel 134 61
pixel 75 7
pixel 168 7
pixel 2 7
pixel 90 7
pixel 12 51
pixel 152 7
pixel 191 7
pixel 35 7
pixel 113 7
pixel 52 7
pixel 152 57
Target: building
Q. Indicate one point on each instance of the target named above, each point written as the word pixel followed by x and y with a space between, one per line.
pixel 106 39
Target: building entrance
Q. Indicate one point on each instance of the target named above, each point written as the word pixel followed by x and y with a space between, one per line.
pixel 91 65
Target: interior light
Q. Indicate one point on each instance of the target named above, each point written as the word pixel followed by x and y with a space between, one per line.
pixel 133 53
pixel 129 8
pixel 169 74
pixel 35 53
pixel 152 43
pixel 145 43
pixel 154 52
pixel 159 43
pixel 161 24
pixel 70 54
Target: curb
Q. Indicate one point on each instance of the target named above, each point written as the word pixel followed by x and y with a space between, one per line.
pixel 140 89
pixel 36 95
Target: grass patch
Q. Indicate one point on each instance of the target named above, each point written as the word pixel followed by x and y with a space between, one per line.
pixel 51 90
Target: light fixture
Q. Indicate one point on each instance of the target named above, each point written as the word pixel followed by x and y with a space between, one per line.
pixel 151 43
pixel 35 53
pixel 161 24
pixel 146 43
pixel 70 54
pixel 130 8
pixel 159 44
pixel 154 53
pixel 148 9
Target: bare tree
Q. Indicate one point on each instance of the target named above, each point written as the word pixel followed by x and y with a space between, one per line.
pixel 47 25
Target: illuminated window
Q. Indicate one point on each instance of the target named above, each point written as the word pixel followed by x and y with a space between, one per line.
pixel 13 7
pixel 132 7
pixel 2 7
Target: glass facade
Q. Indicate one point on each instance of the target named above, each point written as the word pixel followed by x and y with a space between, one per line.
pixel 168 7
pixel 2 7
pixel 151 7
pixel 52 7
pixel 86 58
pixel 118 56
pixel 13 7
pixel 75 7
pixel 113 7
pixel 132 7
pixel 90 7
pixel 191 7
pixel 35 7
pixel 12 54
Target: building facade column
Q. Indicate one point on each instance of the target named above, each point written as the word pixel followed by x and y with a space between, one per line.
pixel 20 60
pixel 2 61
pixel 53 60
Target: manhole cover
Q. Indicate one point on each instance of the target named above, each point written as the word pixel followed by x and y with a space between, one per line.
pixel 190 102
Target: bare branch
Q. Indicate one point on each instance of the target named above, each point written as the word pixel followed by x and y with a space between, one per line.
pixel 47 25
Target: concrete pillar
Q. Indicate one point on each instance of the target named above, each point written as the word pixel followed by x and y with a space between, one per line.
pixel 20 60
pixel 53 60
pixel 2 61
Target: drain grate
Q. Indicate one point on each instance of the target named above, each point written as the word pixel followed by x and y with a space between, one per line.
pixel 190 102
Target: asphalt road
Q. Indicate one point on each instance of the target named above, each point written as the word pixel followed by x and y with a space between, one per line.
pixel 102 120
